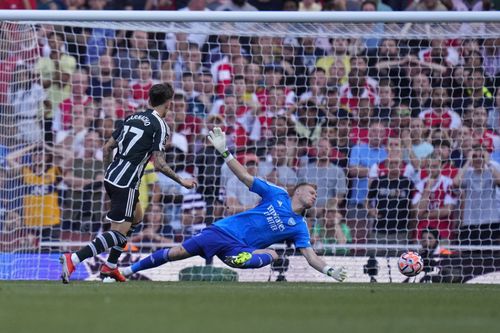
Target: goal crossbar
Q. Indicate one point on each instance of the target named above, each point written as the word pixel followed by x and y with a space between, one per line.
pixel 283 17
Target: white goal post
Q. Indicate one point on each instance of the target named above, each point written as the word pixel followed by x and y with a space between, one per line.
pixel 363 104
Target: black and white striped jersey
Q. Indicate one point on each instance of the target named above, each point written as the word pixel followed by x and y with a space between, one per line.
pixel 138 137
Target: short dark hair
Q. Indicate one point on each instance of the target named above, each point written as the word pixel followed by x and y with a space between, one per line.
pixel 160 93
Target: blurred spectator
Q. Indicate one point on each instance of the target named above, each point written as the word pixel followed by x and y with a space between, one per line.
pixel 290 5
pixel 310 53
pixel 359 85
pixel 41 210
pixel 267 5
pixel 439 114
pixel 331 231
pixel 309 121
pixel 83 176
pixel 154 233
pixel 238 197
pixel 275 168
pixel 477 94
pixel 194 105
pixel 18 4
pixel 330 179
pixel 73 139
pixel 236 5
pixel 421 93
pixel 205 87
pixel 442 148
pixel 427 5
pixel 186 124
pixel 360 121
pixel 79 85
pixel 363 156
pixel 491 58
pixel 100 41
pixel 172 118
pixel 123 101
pixel 480 132
pixel 338 134
pixel 149 190
pixel 196 5
pixel 389 196
pixel 187 61
pixel 253 78
pixel 273 79
pixel 26 96
pixel 172 193
pixel 293 64
pixel 480 178
pixel 58 66
pixel 236 120
pixel 317 88
pixel 371 43
pixel 128 58
pixel 15 237
pixel 309 6
pixel 208 164
pixel 466 5
pixel 160 5
pixel 387 101
pixel 101 83
pixel 140 87
pixel 223 70
pixel 435 201
pixel 494 114
pixel 439 53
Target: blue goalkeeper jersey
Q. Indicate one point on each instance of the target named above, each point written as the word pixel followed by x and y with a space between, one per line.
pixel 272 221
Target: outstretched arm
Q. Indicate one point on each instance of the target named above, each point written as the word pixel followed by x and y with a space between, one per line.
pixel 339 274
pixel 162 166
pixel 13 158
pixel 218 140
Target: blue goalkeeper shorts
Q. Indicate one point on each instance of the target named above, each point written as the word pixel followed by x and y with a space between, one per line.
pixel 213 241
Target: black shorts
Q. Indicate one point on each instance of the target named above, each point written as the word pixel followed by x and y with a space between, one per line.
pixel 123 202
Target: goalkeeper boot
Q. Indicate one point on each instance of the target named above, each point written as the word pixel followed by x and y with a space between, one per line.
pixel 113 273
pixel 67 267
pixel 238 260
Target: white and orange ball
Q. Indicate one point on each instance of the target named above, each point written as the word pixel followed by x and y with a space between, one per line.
pixel 410 263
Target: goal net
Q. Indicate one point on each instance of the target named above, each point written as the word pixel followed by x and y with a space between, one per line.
pixel 397 124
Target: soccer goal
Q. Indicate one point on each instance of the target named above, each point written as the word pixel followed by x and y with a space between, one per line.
pixel 395 116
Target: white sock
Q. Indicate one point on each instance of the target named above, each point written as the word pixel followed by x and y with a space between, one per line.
pixel 111 265
pixel 127 271
pixel 75 259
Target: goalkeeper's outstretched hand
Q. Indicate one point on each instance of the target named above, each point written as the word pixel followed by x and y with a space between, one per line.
pixel 218 139
pixel 339 274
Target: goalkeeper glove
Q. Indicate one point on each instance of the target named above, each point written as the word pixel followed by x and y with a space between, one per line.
pixel 339 274
pixel 218 139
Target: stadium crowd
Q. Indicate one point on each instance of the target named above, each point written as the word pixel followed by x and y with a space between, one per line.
pixel 400 136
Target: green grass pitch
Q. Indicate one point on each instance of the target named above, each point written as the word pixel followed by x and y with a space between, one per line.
pixel 144 307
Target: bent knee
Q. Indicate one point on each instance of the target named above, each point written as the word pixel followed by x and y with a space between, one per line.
pixel 272 253
pixel 178 253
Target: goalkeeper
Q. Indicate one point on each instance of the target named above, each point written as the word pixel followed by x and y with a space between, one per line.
pixel 241 240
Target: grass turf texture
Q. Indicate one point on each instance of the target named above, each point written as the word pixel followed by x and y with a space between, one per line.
pixel 143 307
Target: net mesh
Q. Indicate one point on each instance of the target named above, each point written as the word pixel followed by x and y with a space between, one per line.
pixel 397 125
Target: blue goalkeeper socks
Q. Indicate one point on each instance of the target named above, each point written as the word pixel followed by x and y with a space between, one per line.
pixel 158 258
pixel 258 260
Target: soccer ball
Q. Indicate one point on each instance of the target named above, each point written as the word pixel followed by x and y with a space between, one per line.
pixel 410 263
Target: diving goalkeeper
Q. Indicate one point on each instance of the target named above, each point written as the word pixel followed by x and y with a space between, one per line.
pixel 241 240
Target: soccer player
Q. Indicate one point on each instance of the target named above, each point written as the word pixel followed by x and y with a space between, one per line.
pixel 241 240
pixel 141 136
